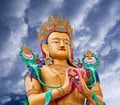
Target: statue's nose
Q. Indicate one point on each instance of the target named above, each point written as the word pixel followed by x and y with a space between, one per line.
pixel 61 43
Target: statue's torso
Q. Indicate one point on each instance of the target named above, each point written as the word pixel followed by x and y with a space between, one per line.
pixel 55 76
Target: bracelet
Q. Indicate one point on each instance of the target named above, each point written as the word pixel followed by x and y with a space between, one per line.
pixel 94 96
pixel 89 94
pixel 63 91
pixel 48 96
pixel 33 91
pixel 60 91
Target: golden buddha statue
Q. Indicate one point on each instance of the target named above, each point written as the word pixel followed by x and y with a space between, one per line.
pixel 59 80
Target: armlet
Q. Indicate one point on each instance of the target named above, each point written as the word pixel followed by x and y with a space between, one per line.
pixel 28 75
pixel 33 91
pixel 92 80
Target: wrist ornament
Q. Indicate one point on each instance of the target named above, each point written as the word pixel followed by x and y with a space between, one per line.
pixel 48 97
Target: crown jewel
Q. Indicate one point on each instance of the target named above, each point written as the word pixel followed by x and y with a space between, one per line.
pixel 58 24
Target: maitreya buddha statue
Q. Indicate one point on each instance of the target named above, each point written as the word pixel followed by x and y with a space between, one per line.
pixel 55 79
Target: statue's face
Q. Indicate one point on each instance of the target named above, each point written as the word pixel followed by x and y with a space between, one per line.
pixel 59 45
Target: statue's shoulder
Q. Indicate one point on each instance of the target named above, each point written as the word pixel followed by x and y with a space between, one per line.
pixel 45 68
pixel 46 71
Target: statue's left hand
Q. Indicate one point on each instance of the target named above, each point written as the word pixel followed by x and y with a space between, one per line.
pixel 26 50
pixel 80 84
pixel 86 92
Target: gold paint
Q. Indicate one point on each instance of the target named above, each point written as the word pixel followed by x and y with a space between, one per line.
pixel 55 74
pixel 26 50
pixel 89 54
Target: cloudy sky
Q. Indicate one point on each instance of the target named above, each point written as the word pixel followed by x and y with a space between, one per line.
pixel 96 25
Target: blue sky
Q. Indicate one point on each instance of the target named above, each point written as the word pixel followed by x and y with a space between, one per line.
pixel 96 25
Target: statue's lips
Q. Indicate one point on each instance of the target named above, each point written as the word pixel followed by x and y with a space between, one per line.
pixel 62 49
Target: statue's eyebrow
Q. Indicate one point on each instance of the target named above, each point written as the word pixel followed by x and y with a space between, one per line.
pixel 55 39
pixel 60 39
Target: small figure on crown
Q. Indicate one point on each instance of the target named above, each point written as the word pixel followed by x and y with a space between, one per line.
pixel 55 79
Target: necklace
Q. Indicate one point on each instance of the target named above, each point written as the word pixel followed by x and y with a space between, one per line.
pixel 60 67
pixel 59 77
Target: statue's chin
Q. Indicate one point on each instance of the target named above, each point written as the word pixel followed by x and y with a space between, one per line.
pixel 59 56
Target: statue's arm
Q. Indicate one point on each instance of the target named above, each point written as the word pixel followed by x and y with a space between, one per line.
pixel 90 63
pixel 86 92
pixel 97 89
pixel 35 94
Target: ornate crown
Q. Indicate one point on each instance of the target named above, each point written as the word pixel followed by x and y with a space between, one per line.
pixel 58 24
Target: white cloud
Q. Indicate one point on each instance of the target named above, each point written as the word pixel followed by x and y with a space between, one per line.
pixel 17 98
pixel 110 83
pixel 116 65
pixel 105 51
pixel 78 24
pixel 58 3
pixel 18 31
pixel 35 17
pixel 18 88
pixel 14 42
pixel 115 44
pixel 81 41
pixel 12 48
pixel 18 8
pixel 4 99
pixel 78 21
pixel 105 25
pixel 110 87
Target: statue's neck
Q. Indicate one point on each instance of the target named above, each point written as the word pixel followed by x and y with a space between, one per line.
pixel 60 62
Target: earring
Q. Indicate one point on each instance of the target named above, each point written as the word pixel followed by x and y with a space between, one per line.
pixel 48 59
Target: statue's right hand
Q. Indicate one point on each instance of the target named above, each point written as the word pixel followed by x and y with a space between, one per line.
pixel 66 85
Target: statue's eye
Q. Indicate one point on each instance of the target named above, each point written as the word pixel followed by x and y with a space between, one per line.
pixel 67 43
pixel 55 42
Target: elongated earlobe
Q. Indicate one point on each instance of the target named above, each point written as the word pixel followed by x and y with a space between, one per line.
pixel 45 48
pixel 48 59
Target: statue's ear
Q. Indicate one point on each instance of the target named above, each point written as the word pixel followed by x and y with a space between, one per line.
pixel 45 48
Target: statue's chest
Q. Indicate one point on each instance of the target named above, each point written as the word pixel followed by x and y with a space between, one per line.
pixel 53 77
